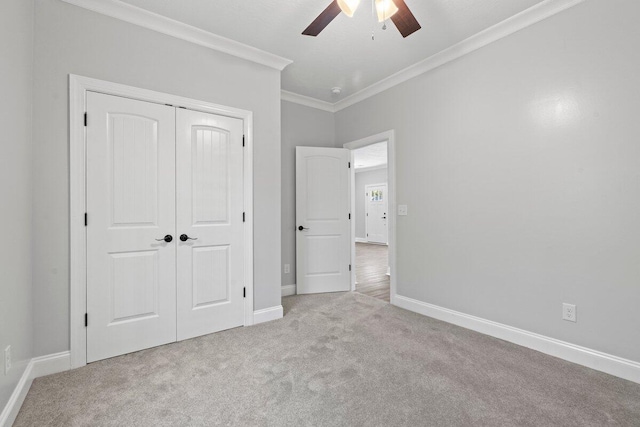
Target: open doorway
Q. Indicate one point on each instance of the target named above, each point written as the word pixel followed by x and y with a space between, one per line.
pixel 373 221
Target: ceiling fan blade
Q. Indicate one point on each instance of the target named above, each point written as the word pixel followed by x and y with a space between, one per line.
pixel 323 19
pixel 403 19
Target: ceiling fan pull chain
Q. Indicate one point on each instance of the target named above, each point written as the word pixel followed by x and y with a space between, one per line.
pixel 384 15
pixel 373 24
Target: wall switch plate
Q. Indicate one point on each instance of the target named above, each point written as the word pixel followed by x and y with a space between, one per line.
pixel 402 210
pixel 287 268
pixel 7 359
pixel 569 312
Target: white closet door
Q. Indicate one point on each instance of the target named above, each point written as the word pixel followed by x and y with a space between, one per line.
pixel 131 275
pixel 322 217
pixel 209 211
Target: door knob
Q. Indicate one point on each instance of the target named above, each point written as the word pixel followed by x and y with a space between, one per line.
pixel 184 238
pixel 302 228
pixel 168 238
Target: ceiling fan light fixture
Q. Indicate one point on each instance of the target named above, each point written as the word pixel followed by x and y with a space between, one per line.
pixel 385 8
pixel 397 10
pixel 348 6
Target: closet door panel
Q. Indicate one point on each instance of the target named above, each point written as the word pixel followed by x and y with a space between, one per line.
pixel 210 221
pixel 131 269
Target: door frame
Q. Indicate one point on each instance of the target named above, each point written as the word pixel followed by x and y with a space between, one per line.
pixel 78 88
pixel 366 210
pixel 389 137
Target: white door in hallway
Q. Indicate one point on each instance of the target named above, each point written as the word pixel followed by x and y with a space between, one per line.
pixel 131 269
pixel 210 223
pixel 322 220
pixel 376 213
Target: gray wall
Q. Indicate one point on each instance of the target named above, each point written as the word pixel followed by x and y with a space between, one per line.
pixel 378 176
pixel 301 126
pixel 73 40
pixel 520 167
pixel 16 69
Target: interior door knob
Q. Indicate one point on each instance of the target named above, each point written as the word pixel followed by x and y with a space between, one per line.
pixel 302 228
pixel 184 238
pixel 168 238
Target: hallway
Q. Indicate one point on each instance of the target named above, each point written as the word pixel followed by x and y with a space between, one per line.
pixel 371 270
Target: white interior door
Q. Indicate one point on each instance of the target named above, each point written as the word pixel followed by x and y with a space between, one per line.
pixel 131 273
pixel 210 218
pixel 322 218
pixel 376 204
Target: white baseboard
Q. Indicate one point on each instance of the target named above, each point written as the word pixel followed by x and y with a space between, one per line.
pixel 37 367
pixel 593 359
pixel 11 409
pixel 288 290
pixel 267 314
pixel 51 364
pixel 361 240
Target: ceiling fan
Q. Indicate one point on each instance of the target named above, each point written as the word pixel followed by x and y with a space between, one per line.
pixel 396 10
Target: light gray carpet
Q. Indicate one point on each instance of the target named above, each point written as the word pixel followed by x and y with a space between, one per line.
pixel 335 360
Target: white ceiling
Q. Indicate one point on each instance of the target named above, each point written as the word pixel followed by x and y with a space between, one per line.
pixel 343 54
pixel 370 156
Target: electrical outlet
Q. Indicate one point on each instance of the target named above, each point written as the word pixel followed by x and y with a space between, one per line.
pixel 287 268
pixel 569 312
pixel 403 210
pixel 7 359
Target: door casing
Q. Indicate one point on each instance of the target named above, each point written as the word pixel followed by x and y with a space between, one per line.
pixel 388 136
pixel 78 88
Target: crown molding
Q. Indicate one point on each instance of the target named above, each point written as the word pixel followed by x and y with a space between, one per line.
pixel 162 24
pixel 524 19
pixel 307 101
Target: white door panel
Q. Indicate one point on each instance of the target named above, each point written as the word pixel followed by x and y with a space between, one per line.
pixel 209 209
pixel 376 204
pixel 322 209
pixel 130 203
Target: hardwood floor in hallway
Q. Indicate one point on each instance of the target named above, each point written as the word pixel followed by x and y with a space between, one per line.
pixel 371 270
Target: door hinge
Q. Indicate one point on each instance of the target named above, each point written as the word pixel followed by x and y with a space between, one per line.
pixel 244 292
pixel 86 219
pixel 349 267
pixel 349 165
pixel 349 216
pixel 85 119
pixel 86 320
pixel 243 217
pixel 243 140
